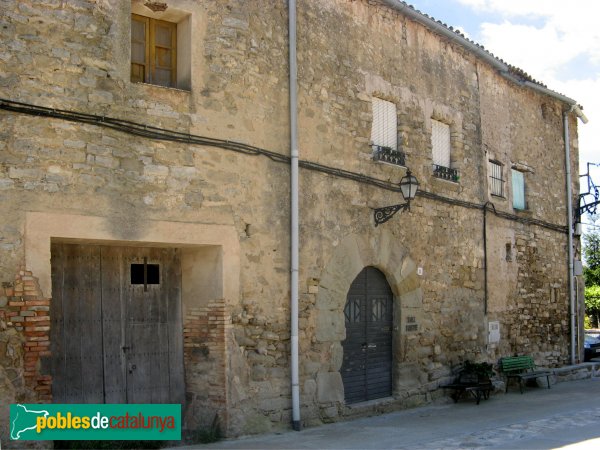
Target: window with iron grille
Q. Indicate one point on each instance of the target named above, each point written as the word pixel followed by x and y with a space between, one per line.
pixel 496 180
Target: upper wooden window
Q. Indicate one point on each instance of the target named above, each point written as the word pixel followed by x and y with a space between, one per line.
pixel 153 51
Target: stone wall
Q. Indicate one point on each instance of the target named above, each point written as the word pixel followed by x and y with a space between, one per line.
pixel 133 190
pixel 490 118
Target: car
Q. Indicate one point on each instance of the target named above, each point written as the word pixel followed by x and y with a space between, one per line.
pixel 591 346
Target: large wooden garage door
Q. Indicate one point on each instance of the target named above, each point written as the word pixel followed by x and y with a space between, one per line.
pixel 116 334
pixel 367 364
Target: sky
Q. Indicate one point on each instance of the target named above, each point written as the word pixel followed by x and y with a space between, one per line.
pixel 556 42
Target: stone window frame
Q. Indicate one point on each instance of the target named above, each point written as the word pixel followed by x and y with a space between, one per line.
pixel 181 23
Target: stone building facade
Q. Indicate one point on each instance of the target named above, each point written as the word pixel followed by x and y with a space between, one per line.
pixel 101 176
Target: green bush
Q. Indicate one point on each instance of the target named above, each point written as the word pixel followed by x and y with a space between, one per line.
pixel 482 369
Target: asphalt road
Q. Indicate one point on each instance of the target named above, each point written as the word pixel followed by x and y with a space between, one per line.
pixel 568 415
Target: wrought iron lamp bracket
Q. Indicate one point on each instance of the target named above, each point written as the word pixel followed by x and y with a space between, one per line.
pixel 408 188
pixel 385 213
pixel 586 205
pixel 589 208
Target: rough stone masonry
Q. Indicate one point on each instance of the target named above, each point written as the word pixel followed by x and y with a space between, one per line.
pixel 66 181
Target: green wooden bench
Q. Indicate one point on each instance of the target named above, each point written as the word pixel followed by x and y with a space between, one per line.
pixel 522 368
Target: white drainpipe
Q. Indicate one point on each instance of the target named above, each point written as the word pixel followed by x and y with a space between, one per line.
pixel 574 334
pixel 294 214
pixel 570 234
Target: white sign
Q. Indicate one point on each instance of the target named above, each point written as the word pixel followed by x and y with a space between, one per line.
pixel 493 332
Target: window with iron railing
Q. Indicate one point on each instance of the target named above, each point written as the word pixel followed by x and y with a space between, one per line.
pixel 440 149
pixel 384 133
pixel 446 173
pixel 388 155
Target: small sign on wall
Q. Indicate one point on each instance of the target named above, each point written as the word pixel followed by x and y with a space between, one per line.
pixel 411 324
pixel 493 332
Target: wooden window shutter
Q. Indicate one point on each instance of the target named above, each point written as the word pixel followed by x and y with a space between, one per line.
pixel 163 53
pixel 140 49
pixel 153 51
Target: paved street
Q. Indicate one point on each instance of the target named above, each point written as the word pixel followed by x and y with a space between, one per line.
pixel 566 415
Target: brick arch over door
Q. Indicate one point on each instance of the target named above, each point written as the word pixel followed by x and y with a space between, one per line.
pixel 385 252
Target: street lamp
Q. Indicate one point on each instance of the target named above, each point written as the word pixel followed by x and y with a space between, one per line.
pixel 408 187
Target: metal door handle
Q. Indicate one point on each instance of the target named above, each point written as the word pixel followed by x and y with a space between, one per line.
pixel 372 346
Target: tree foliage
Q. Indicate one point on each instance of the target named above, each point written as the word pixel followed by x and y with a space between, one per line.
pixel 591 250
pixel 592 303
pixel 591 274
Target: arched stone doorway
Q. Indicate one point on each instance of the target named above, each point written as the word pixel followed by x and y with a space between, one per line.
pixel 382 250
pixel 367 363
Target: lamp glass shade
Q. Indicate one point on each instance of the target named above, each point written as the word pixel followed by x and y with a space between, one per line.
pixel 409 186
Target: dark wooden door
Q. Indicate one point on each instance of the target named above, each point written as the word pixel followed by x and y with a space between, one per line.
pixel 116 331
pixel 153 333
pixel 76 325
pixel 367 364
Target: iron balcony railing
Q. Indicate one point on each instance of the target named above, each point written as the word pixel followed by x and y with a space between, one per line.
pixel 445 173
pixel 389 155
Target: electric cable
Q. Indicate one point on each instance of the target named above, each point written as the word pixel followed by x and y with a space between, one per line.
pixel 151 132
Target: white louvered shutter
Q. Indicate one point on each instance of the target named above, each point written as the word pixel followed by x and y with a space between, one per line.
pixel 440 142
pixel 384 130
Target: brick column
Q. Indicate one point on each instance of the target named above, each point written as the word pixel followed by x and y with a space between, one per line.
pixel 204 340
pixel 28 312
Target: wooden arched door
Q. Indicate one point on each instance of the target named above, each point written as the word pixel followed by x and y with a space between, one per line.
pixel 367 364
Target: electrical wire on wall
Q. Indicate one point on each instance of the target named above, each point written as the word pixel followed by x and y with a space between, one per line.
pixel 151 132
